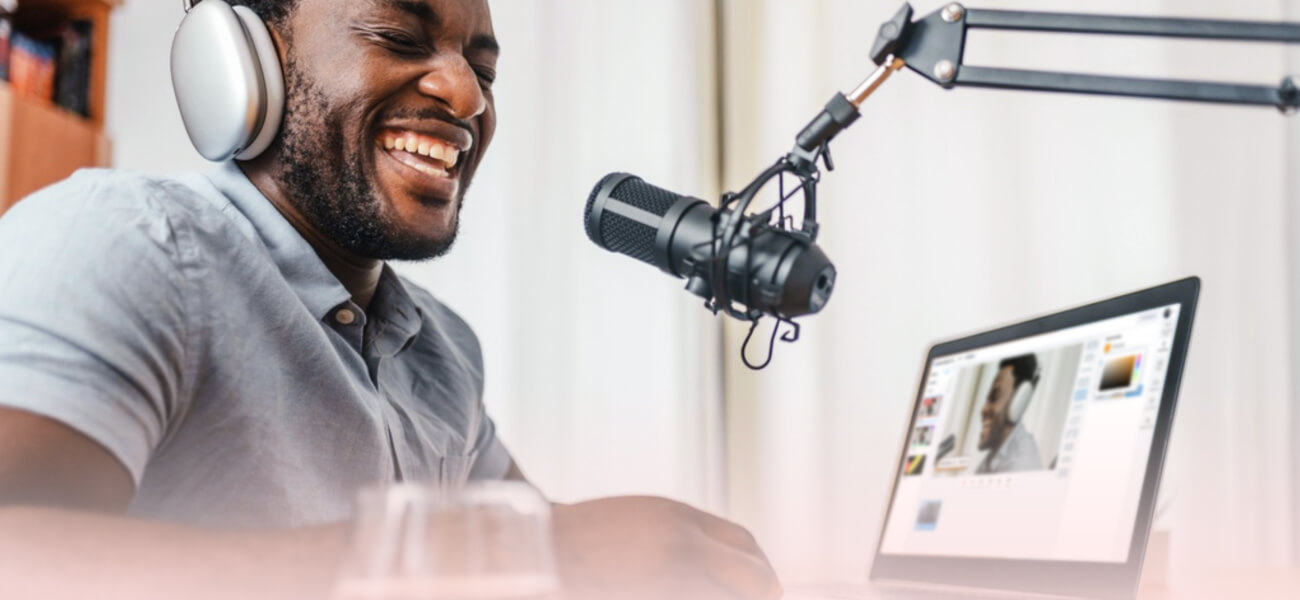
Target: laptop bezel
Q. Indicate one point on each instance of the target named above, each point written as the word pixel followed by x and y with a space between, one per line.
pixel 1057 578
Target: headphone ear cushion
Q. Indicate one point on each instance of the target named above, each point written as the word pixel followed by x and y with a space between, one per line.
pixel 268 60
pixel 1020 401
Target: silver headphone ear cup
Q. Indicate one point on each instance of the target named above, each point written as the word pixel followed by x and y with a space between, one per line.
pixel 1020 401
pixel 273 83
pixel 217 80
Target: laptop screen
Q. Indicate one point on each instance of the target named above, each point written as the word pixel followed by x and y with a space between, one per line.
pixel 1035 448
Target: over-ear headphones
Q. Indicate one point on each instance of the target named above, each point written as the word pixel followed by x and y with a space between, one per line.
pixel 1020 401
pixel 228 80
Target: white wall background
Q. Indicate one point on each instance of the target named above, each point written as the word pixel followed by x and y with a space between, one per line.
pixel 951 211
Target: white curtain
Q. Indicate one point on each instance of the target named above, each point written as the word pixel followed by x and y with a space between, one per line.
pixel 956 211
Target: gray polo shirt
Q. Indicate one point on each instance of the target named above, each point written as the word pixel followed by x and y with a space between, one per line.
pixel 182 323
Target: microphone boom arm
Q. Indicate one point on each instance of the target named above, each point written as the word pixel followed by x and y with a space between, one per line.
pixel 934 47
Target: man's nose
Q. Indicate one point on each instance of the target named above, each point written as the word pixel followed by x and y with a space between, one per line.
pixel 454 83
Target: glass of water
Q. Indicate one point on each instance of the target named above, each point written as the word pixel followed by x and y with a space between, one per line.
pixel 482 541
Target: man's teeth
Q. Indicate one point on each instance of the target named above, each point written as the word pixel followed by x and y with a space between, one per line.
pixel 429 169
pixel 424 146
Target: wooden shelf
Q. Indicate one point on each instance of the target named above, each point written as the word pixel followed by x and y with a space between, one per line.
pixel 41 143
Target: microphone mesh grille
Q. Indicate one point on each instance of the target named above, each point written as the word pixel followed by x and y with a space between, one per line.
pixel 644 196
pixel 625 236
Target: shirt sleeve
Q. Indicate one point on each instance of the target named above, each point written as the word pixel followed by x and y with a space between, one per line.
pixel 93 312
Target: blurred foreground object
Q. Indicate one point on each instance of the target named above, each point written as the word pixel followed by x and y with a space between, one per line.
pixel 489 540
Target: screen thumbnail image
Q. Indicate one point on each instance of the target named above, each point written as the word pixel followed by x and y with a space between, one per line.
pixel 927 518
pixel 929 407
pixel 922 435
pixel 915 465
pixel 987 431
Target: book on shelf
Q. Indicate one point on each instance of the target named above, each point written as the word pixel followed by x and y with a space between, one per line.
pixel 31 66
pixel 52 64
pixel 6 32
pixel 72 73
pixel 7 8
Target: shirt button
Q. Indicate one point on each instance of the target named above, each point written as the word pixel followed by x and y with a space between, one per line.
pixel 345 316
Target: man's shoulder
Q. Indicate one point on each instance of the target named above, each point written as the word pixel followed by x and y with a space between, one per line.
pixel 120 206
pixel 113 194
pixel 1024 437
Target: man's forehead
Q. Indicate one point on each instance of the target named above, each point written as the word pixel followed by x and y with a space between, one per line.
pixel 418 8
pixel 470 18
pixel 466 13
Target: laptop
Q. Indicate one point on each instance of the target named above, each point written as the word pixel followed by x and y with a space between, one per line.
pixel 1033 454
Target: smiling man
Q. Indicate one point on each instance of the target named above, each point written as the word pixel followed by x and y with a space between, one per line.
pixel 199 371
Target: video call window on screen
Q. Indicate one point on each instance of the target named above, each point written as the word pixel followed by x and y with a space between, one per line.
pixel 1024 427
pixel 981 433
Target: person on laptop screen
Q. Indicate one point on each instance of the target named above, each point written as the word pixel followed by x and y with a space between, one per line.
pixel 1011 447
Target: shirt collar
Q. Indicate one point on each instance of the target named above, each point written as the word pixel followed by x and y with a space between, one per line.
pixel 398 315
pixel 318 288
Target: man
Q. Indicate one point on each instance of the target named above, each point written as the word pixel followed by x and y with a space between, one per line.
pixel 198 372
pixel 1009 445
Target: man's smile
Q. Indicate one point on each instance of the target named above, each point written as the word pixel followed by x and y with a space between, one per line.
pixel 427 154
pixel 428 161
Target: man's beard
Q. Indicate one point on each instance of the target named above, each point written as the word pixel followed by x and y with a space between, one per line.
pixel 326 182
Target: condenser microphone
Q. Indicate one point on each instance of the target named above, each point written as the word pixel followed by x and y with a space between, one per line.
pixel 766 269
